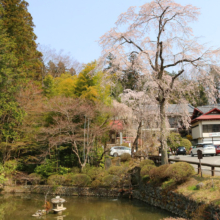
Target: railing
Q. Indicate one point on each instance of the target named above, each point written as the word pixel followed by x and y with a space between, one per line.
pixel 199 166
pixel 157 159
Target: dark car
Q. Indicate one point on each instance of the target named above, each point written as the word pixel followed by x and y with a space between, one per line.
pixel 217 149
pixel 181 150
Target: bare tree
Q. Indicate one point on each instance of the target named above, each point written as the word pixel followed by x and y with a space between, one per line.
pixel 68 124
pixel 58 59
pixel 160 36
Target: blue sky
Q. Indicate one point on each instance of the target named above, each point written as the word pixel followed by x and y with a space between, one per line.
pixel 76 26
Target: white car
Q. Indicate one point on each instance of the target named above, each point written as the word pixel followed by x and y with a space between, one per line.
pixel 119 150
pixel 207 149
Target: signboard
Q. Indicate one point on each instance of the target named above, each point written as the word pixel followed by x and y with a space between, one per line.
pixel 199 153
pixel 214 134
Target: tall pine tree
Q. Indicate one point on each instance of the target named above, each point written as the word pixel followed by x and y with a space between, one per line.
pixel 19 27
pixel 11 115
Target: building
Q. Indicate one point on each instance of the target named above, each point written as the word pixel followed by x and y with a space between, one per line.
pixel 205 125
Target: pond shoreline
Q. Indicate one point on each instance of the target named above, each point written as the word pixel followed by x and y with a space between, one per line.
pixel 171 201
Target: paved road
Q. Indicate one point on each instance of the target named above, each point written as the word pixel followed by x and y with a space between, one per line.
pixel 206 159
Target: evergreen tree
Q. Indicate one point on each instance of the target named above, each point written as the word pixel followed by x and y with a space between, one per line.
pixel 19 27
pixel 10 113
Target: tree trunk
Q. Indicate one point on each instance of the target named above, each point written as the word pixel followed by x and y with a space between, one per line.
pixel 135 143
pixel 163 133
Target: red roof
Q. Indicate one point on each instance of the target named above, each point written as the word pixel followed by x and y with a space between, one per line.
pixel 207 116
pixel 116 125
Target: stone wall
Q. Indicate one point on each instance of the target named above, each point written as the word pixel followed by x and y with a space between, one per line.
pixel 62 190
pixel 175 202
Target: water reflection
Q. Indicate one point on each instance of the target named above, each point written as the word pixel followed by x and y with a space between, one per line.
pixel 22 206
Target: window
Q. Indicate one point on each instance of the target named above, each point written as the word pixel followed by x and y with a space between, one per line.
pixel 211 128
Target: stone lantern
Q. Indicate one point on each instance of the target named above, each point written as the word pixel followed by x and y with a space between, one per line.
pixel 58 205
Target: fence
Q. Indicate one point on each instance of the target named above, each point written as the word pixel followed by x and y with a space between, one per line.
pixel 157 159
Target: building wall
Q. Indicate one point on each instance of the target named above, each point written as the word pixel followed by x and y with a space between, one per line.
pixel 200 137
pixel 196 130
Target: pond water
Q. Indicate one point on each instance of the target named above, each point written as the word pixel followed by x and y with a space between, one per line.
pixel 23 206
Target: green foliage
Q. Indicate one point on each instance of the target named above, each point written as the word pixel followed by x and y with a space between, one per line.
pixel 125 157
pixel 49 87
pixel 75 170
pixel 168 183
pixel 11 115
pixel 174 140
pixel 145 170
pixel 2 174
pixel 35 178
pixel 96 184
pixel 145 178
pixel 159 173
pixel 118 170
pixel 192 188
pixel 81 180
pixel 93 172
pixel 69 179
pixel 180 171
pixel 146 162
pixel 186 143
pixel 10 166
pixel 89 85
pixel 56 180
pixel 65 85
pixel 49 167
pixel 19 27
pixel 111 181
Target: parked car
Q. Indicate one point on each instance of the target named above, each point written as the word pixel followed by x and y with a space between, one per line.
pixel 119 150
pixel 207 149
pixel 181 150
pixel 217 149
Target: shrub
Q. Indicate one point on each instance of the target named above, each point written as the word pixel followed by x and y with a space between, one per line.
pixel 81 180
pixel 110 181
pixel 146 169
pixel 75 170
pixel 96 183
pixel 159 173
pixel 118 170
pixel 94 172
pixel 10 166
pixel 146 162
pixel 180 171
pixel 49 167
pixel 56 180
pixel 186 143
pixel 174 140
pixel 35 178
pixel 125 157
pixel 68 179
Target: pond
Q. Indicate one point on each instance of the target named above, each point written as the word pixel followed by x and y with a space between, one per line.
pixel 23 206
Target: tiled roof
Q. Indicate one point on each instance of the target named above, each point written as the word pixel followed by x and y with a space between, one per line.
pixel 208 115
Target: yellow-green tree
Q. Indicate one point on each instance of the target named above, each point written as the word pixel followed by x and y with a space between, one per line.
pixel 89 84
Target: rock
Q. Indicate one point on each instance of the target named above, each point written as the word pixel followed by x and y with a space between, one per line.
pixel 108 163
pixel 200 185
